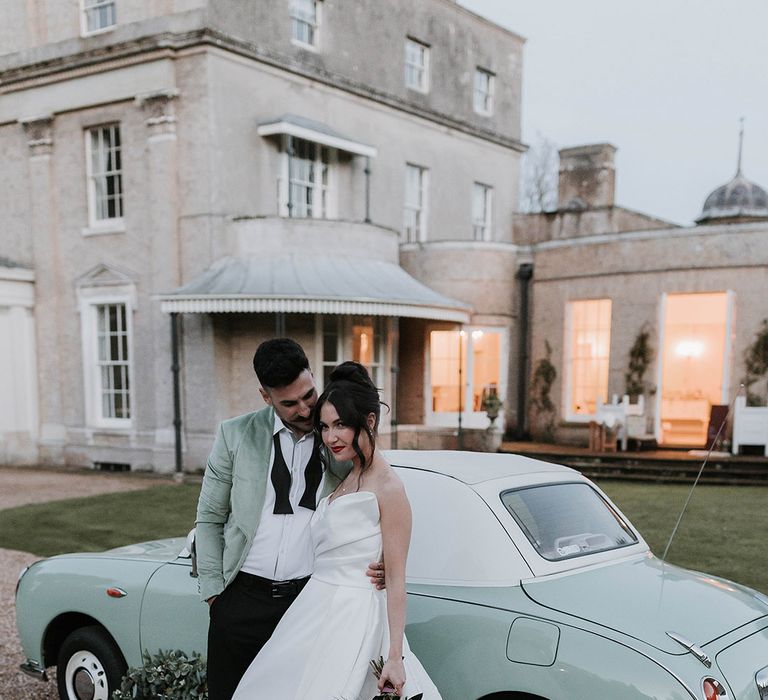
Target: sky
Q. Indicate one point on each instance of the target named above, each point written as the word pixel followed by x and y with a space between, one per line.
pixel 665 81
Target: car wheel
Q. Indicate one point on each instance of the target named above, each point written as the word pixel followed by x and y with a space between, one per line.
pixel 90 665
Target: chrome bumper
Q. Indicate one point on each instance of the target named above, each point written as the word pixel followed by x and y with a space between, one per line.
pixel 34 669
pixel 761 678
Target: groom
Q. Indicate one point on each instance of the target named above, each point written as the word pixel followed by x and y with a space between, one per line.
pixel 262 482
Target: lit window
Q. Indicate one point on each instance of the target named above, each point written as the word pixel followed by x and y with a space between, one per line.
pixel 416 65
pixel 415 224
pixel 478 354
pixel 105 174
pixel 368 346
pixel 589 341
pixel 304 21
pixel 482 196
pixel 309 179
pixel 98 15
pixel 483 93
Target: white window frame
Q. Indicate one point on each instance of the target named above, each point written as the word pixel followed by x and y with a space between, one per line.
pixel 297 17
pixel 482 221
pixel 416 74
pixel 482 94
pixel 568 362
pixel 88 6
pixel 379 354
pixel 90 299
pixel 108 224
pixel 469 419
pixel 322 322
pixel 327 193
pixel 416 213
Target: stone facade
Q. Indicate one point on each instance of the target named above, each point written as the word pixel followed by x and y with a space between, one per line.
pixel 188 84
pixel 601 251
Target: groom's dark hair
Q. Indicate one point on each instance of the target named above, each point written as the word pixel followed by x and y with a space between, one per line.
pixel 278 362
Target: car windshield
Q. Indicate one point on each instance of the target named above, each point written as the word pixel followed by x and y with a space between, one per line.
pixel 567 520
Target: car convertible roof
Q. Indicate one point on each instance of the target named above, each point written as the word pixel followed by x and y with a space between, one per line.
pixel 472 467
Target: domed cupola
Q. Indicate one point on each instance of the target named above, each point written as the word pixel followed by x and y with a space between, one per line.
pixel 738 201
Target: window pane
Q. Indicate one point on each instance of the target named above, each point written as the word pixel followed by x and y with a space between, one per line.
pixel 304 21
pixel 486 366
pixel 113 360
pixel 590 353
pixel 444 352
pixel 415 203
pixel 105 173
pixel 567 520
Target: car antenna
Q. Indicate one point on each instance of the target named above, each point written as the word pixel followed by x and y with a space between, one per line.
pixel 698 476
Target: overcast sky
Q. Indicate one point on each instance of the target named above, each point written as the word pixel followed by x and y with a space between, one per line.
pixel 665 81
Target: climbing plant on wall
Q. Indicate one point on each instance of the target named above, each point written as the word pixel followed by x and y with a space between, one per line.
pixel 544 375
pixel 641 356
pixel 756 366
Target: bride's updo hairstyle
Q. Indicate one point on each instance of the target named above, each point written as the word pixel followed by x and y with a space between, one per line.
pixel 354 396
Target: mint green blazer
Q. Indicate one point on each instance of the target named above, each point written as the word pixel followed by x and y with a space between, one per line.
pixel 232 496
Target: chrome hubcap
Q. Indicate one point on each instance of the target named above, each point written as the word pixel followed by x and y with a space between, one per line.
pixel 86 678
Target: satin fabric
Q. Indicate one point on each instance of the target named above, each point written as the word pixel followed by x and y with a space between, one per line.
pixel 322 648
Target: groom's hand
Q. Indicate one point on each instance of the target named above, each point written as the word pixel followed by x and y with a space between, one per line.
pixel 375 572
pixel 210 600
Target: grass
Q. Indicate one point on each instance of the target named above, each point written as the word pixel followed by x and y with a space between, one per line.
pixel 97 523
pixel 723 532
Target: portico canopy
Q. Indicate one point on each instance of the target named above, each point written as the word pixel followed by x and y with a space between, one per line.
pixel 308 283
pixel 317 132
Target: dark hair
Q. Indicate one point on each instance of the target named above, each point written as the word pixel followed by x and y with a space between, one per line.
pixel 278 362
pixel 354 396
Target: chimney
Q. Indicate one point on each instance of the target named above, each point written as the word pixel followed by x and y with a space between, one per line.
pixel 587 177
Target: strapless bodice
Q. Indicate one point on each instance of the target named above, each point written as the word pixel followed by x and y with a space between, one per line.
pixel 346 534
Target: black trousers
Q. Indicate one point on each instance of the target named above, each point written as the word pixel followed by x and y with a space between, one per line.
pixel 242 619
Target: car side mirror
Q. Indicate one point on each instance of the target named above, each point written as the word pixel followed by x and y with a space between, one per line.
pixel 190 552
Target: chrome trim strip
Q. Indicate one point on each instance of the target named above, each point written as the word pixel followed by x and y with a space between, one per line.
pixel 697 651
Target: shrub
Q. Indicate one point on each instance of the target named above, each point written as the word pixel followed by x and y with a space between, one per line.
pixel 170 675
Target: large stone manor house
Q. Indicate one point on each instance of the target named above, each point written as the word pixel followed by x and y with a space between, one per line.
pixel 180 180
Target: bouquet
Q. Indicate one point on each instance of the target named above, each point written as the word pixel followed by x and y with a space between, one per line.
pixel 388 693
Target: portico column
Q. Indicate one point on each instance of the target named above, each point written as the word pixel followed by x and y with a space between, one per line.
pixel 162 235
pixel 44 223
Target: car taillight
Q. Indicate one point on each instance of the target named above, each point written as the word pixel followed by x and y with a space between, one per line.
pixel 713 690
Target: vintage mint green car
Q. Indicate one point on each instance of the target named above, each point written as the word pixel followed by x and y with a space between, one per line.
pixel 525 582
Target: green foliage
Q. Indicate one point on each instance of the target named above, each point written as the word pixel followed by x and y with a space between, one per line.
pixel 641 355
pixel 544 375
pixel 101 522
pixel 377 666
pixel 756 365
pixel 167 675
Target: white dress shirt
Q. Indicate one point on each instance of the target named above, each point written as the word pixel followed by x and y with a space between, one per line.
pixel 282 546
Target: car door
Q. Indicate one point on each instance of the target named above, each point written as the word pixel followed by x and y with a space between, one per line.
pixel 172 615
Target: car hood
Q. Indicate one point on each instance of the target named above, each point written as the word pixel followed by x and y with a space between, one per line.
pixel 157 550
pixel 644 599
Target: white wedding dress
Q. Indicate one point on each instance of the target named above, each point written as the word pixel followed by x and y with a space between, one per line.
pixel 322 648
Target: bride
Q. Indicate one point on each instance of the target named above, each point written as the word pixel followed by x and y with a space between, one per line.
pixel 323 646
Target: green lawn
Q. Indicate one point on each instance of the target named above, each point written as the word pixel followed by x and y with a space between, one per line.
pixel 723 533
pixel 100 522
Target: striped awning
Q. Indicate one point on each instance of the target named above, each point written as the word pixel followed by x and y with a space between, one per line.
pixel 312 284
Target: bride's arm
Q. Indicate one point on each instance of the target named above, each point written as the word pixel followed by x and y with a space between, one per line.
pixel 396 536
